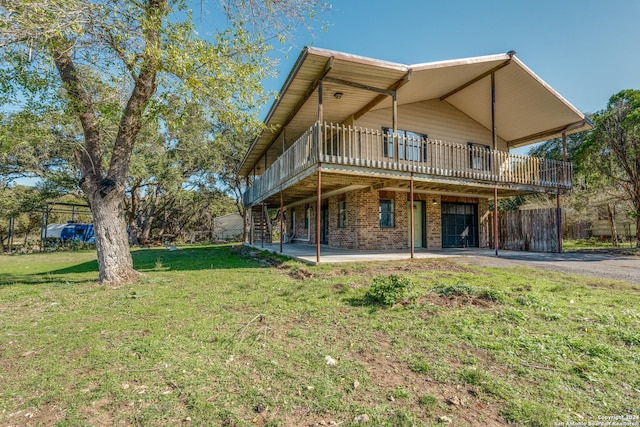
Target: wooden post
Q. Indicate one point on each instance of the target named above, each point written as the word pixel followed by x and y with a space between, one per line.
pixel 394 121
pixel 412 219
pixel 494 135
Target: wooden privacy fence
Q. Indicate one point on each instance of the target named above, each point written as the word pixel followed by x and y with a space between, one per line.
pixel 531 230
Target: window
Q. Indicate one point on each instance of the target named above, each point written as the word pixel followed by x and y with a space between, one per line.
pixel 411 145
pixel 386 213
pixel 342 214
pixel 479 157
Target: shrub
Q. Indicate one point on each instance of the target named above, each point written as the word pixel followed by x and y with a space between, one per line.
pixel 459 289
pixel 390 290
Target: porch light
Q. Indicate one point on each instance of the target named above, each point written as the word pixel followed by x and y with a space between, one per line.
pixel 434 202
pixel 337 95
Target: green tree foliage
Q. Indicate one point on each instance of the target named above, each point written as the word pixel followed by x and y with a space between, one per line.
pixel 20 204
pixel 37 145
pixel 129 61
pixel 552 149
pixel 612 149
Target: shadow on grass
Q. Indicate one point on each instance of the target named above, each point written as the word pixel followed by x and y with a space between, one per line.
pixel 152 260
pixel 365 302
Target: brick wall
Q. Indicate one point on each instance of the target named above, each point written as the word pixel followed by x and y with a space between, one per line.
pixel 363 231
pixel 343 237
pixel 434 222
pixel 300 233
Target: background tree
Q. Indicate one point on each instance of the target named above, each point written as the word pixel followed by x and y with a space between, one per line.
pixel 613 150
pixel 145 52
pixel 38 144
pixel 232 147
pixel 594 195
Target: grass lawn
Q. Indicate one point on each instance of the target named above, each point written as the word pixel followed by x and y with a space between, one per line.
pixel 594 244
pixel 216 336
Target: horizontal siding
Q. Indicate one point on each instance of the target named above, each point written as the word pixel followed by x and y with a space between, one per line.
pixel 437 119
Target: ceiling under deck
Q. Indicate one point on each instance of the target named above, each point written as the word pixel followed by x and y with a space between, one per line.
pixel 335 182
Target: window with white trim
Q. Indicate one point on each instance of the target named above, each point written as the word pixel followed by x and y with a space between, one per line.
pixel 386 212
pixel 411 145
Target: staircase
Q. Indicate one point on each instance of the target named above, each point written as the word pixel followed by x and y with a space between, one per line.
pixel 261 227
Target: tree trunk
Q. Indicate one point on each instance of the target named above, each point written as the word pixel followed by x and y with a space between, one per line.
pixel 637 230
pixel 612 223
pixel 26 238
pixel 636 214
pixel 148 216
pixel 112 243
pixel 245 226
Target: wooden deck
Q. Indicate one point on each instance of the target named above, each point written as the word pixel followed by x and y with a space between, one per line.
pixel 366 151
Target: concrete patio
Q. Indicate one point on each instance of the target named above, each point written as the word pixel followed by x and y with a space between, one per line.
pixel 307 253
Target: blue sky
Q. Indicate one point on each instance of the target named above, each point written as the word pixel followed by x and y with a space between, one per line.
pixel 587 50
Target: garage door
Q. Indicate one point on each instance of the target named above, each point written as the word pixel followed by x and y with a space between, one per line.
pixel 459 225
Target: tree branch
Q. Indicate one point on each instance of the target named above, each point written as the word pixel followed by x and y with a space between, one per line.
pixel 144 87
pixel 89 158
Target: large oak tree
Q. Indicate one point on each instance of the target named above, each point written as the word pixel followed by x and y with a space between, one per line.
pixel 148 55
pixel 613 149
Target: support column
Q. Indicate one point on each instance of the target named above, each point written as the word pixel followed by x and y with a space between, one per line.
pixel 251 226
pixel 263 224
pixel 561 178
pixel 281 220
pixel 394 121
pixel 494 134
pixel 319 183
pixel 412 219
pixel 318 210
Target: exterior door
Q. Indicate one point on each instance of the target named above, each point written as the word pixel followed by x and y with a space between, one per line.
pixel 324 224
pixel 459 225
pixel 419 224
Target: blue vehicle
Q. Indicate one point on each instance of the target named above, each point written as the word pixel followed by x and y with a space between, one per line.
pixel 69 232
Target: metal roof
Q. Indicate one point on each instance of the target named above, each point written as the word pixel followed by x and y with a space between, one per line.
pixel 527 109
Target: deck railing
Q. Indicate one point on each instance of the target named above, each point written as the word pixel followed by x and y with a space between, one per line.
pixel 376 149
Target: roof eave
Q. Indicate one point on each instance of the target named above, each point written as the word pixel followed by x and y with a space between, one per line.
pixel 292 74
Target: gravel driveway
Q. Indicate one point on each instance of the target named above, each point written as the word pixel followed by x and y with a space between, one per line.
pixel 604 265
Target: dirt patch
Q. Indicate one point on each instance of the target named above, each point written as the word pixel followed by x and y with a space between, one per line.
pixel 296 272
pixel 263 258
pixel 461 403
pixel 44 415
pixel 456 301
